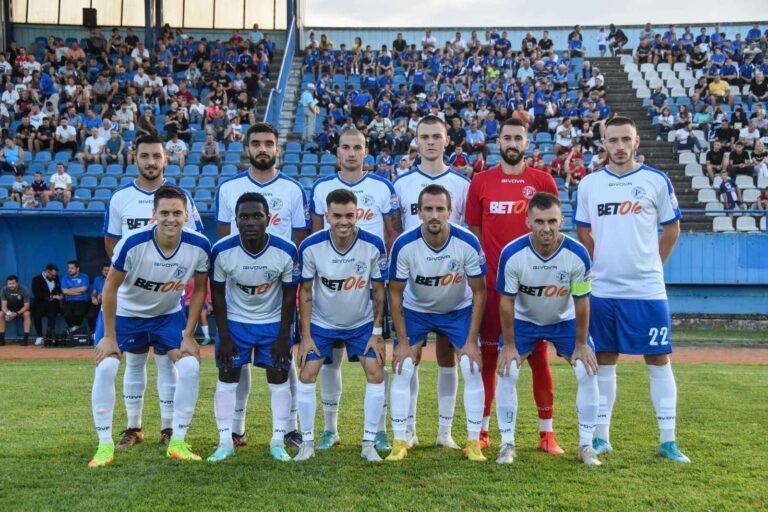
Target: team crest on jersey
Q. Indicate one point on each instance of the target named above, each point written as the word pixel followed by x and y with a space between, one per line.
pixel 638 192
pixel 180 272
pixel 270 275
pixel 361 267
pixel 296 269
pixel 394 203
pixel 562 276
pixel 528 192
pixel 275 204
pixel 366 200
pixel 454 265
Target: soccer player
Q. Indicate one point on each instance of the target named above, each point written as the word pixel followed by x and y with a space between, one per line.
pixel 619 210
pixel 141 307
pixel 378 213
pixel 343 269
pixel 538 274
pixel 254 276
pixel 436 284
pixel 497 204
pixel 130 209
pixel 289 218
pixel 431 140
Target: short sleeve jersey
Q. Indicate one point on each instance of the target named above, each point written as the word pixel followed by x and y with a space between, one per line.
pixel 543 287
pixel 254 281
pixel 288 207
pixel 375 198
pixel 130 209
pixel 436 279
pixel 498 204
pixel 409 186
pixel 624 213
pixel 16 298
pixel 154 283
pixel 341 294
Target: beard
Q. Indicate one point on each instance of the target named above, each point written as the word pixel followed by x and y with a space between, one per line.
pixel 512 159
pixel 262 165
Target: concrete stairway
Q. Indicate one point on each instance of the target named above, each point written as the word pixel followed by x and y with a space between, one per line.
pixel 292 93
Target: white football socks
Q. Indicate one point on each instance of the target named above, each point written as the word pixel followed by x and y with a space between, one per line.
pixel 372 407
pixel 307 405
pixel 134 386
pixel 293 378
pixel 224 410
pixel 400 398
pixel 414 391
pixel 587 399
pixel 166 388
pixel 606 384
pixel 382 427
pixel 474 398
pixel 241 400
pixel 206 331
pixel 280 402
pixel 185 399
pixel 330 390
pixel 664 398
pixel 506 403
pixel 447 386
pixel 103 397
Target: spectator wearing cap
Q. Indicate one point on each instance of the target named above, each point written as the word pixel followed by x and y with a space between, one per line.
pixel 310 109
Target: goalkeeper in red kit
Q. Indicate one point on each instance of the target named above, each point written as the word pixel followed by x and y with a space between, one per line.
pixel 496 209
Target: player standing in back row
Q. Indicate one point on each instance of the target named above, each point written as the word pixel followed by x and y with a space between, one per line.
pixel 289 218
pixel 431 140
pixel 619 210
pixel 497 207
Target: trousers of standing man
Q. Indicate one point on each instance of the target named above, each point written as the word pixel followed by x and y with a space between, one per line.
pixel 310 118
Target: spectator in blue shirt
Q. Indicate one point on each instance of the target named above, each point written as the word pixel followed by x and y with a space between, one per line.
pixel 385 165
pixel 491 128
pixel 76 298
pixel 96 290
pixel 730 194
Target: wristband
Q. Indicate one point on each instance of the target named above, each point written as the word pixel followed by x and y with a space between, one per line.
pixel 377 331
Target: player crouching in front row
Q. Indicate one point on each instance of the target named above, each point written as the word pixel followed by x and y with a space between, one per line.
pixel 141 307
pixel 538 275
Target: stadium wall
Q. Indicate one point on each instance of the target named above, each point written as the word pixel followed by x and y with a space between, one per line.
pixel 559 35
pixel 707 273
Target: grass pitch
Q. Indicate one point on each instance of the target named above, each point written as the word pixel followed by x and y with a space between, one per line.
pixel 48 438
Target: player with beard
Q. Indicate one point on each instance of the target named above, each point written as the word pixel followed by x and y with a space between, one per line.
pixel 130 209
pixel 497 208
pixel 289 219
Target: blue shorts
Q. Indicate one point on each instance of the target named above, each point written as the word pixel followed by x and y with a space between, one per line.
pixel 562 335
pixel 627 326
pixel 162 332
pixel 602 47
pixel 355 341
pixel 256 339
pixel 454 325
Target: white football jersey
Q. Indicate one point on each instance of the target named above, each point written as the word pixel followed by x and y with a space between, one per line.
pixel 341 294
pixel 287 204
pixel 155 283
pixel 436 279
pixel 254 281
pixel 543 287
pixel 375 198
pixel 409 186
pixel 130 209
pixel 624 213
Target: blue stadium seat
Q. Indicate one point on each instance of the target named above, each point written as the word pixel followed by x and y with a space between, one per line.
pixel 210 170
pixel 309 146
pixel 172 171
pixel 170 181
pixel 232 158
pixel 132 170
pixel 547 158
pixel 6 180
pixel 95 170
pixel 3 194
pixel 229 170
pixel 308 170
pixel 293 147
pixel 76 205
pixel 191 170
pixel 194 158
pixel 88 182
pixel 11 205
pixel 197 147
pixel 291 158
pixel 55 205
pixel 306 182
pixel 328 159
pixel 546 147
pixel 327 170
pixel 309 158
pixel 207 182
pixel 75 169
pixel 198 136
pixel 102 194
pixel 108 182
pixel 114 170
pixel 126 180
pixel 203 194
pixel 62 156
pixel 202 207
pixel 129 135
pixel 43 156
pixel 543 137
pixel 96 206
pixel 36 167
pixel 187 182
pixel 82 193
pixel 235 147
pixel 290 170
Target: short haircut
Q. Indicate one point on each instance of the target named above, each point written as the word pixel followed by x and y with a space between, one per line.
pixel 353 132
pixel 261 128
pixel 430 119
pixel 252 197
pixel 620 121
pixel 12 278
pixel 51 266
pixel 169 192
pixel 340 196
pixel 543 201
pixel 148 139
pixel 513 122
pixel 435 190
pixel 73 262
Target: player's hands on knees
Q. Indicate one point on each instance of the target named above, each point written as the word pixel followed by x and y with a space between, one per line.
pixel 106 347
pixel 376 343
pixel 306 347
pixel 472 351
pixel 402 352
pixel 508 356
pixel 226 352
pixel 586 355
pixel 280 352
pixel 189 347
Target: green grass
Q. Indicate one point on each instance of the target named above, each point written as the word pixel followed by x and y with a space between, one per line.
pixel 709 336
pixel 48 438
